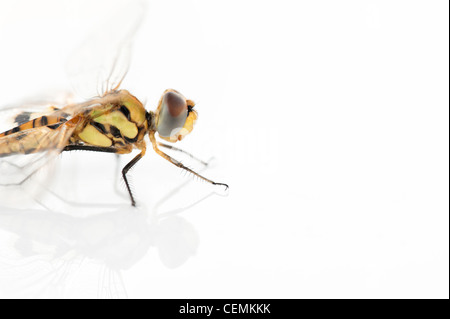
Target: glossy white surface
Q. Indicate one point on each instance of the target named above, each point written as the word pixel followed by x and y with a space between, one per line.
pixel 329 121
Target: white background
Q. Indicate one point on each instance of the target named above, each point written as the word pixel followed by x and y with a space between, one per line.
pixel 328 119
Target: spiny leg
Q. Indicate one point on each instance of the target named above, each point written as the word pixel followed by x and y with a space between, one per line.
pixel 69 148
pixel 170 147
pixel 125 171
pixel 179 164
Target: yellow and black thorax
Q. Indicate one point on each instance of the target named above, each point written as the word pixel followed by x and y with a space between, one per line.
pixel 120 121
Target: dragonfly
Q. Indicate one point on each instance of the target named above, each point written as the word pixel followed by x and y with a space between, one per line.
pixel 113 121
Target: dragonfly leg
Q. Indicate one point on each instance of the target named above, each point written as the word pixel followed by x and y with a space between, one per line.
pixel 110 150
pixel 125 171
pixel 69 148
pixel 179 164
pixel 170 147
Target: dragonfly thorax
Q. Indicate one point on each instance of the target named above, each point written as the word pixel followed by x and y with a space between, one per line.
pixel 119 121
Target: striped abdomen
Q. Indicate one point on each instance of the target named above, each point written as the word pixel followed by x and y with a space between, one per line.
pixel 52 122
pixel 38 138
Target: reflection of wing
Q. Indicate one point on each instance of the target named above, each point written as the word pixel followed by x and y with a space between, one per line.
pixel 101 62
pixel 111 285
pixel 50 254
pixel 44 275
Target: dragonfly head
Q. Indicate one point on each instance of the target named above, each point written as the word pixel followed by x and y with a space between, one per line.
pixel 175 116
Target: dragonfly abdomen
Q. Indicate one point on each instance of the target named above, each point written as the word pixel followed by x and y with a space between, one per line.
pixel 52 122
pixel 31 137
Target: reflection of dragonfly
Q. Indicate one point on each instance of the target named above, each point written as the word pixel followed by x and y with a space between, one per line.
pixel 113 122
pixel 57 255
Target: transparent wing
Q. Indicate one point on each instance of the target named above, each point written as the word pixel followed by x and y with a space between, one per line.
pixel 100 64
pixel 42 144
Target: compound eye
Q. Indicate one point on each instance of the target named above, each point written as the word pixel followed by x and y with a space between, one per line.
pixel 176 104
pixel 173 114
